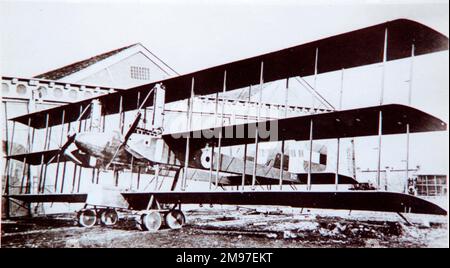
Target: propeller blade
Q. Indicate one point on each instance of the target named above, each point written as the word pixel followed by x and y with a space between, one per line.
pixel 70 140
pixel 73 158
pixel 127 136
pixel 132 127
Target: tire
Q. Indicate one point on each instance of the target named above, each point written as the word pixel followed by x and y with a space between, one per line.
pixel 175 219
pixel 87 218
pixel 151 221
pixel 109 217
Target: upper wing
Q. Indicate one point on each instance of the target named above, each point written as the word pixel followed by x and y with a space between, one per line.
pixel 341 124
pixel 348 50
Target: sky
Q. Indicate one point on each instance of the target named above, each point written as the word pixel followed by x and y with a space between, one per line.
pixel 37 36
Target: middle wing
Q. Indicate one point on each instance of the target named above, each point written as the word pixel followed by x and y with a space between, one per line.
pixel 37 158
pixel 341 124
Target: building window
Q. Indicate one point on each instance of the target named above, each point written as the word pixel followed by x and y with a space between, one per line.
pixel 57 92
pixel 73 94
pixel 21 89
pixel 41 92
pixel 140 73
pixel 5 88
pixel 431 185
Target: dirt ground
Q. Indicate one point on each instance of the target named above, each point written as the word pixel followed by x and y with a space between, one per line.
pixel 238 227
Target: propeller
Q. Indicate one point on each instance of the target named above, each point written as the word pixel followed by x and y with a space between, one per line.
pixel 126 138
pixel 131 129
pixel 69 141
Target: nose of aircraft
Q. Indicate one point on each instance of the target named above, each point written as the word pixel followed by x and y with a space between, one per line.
pixel 94 142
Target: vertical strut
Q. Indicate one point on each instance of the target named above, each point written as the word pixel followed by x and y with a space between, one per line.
pixel 211 157
pixel 131 173
pixel 8 165
pixel 189 120
pixel 336 178
pixel 79 179
pixel 316 59
pixel 310 155
pixel 411 72
pixel 42 156
pixel 383 71
pixel 156 177
pixel 25 159
pixel 219 158
pixel 46 165
pixel 380 131
pixel 261 82
pixel 380 117
pixel 63 178
pixel 74 177
pixel 244 172
pixel 138 177
pixel 341 91
pixel 283 142
pixel 58 158
pixel 9 152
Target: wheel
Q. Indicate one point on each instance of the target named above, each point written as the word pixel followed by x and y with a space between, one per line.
pixel 175 219
pixel 109 217
pixel 151 221
pixel 87 217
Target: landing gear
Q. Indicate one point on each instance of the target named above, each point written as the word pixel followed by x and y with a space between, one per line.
pixel 87 217
pixel 175 219
pixel 109 217
pixel 151 221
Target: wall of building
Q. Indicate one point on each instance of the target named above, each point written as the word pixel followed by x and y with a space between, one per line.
pixel 132 71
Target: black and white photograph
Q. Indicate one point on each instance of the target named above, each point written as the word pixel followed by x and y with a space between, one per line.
pixel 224 124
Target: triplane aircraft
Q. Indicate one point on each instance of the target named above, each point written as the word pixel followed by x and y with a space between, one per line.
pixel 201 149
